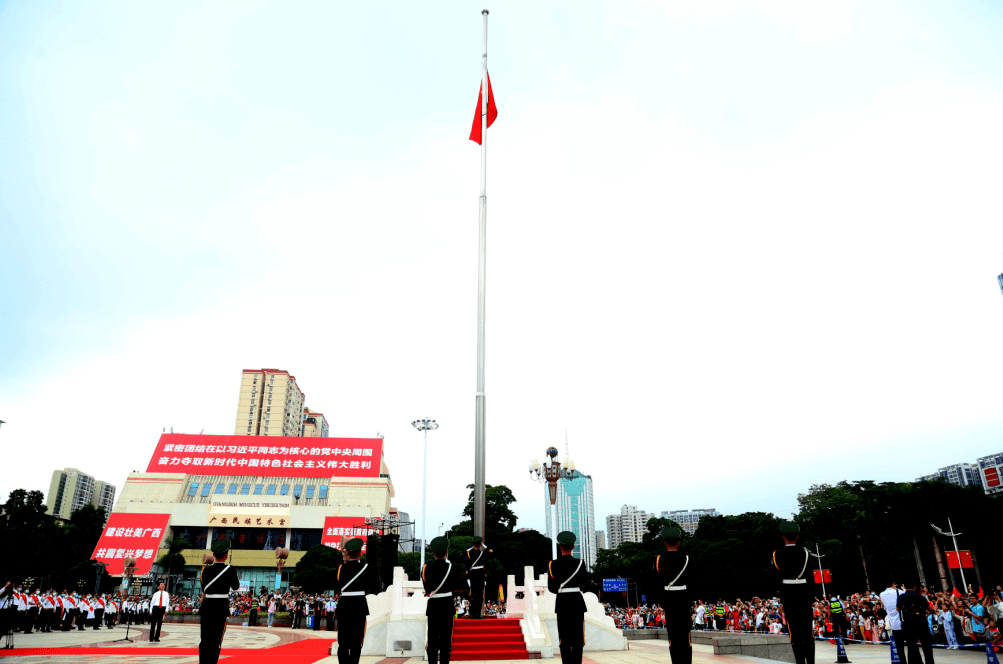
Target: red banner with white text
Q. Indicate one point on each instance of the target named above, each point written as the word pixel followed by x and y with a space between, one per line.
pixel 336 527
pixel 269 456
pixel 129 535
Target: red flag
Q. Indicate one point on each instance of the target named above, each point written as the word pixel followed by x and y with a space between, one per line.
pixel 980 593
pixel 955 592
pixel 475 130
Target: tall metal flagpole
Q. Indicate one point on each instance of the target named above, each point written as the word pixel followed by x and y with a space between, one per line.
pixel 480 457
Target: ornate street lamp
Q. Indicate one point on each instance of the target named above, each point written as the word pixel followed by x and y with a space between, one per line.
pixel 550 472
pixel 954 536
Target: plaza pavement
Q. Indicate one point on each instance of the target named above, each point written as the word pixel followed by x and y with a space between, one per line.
pixel 243 645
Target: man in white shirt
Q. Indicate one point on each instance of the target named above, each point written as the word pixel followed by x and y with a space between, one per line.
pixel 110 612
pixel 330 606
pixel 701 619
pixel 84 612
pixel 160 603
pixel 890 598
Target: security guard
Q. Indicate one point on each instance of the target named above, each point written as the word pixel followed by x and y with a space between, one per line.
pixel 354 581
pixel 567 579
pixel 839 621
pixel 441 581
pixel 719 618
pixel 795 594
pixel 217 580
pixel 671 570
pixel 477 557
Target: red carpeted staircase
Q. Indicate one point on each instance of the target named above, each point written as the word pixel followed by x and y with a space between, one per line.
pixel 489 638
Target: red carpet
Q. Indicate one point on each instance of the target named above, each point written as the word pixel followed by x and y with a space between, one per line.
pixel 489 638
pixel 300 652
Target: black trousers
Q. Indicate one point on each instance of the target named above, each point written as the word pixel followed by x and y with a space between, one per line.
pixel 680 647
pixel 156 622
pixel 440 638
pixel 476 594
pixel 330 621
pixel 918 631
pixel 67 619
pixel 316 621
pixel 351 634
pixel 212 629
pixel 29 619
pixel 81 619
pixel 252 618
pixel 297 620
pixel 98 616
pixel 898 636
pixel 799 629
pixel 571 632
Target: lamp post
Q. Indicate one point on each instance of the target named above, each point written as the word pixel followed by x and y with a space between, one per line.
pixel 954 536
pixel 424 426
pixel 550 472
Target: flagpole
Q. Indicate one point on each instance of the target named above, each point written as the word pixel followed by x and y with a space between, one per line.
pixel 480 456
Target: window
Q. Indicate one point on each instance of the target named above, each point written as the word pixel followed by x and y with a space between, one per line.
pixel 323 493
pixel 220 488
pixel 193 488
pixel 233 489
pixel 297 490
pixel 271 489
pixel 309 491
pixel 284 491
pixel 258 488
pixel 246 489
pixel 206 488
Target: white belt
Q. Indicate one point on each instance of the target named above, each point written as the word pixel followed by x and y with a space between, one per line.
pixel 217 597
pixel 354 593
pixel 478 567
pixel 569 590
pixel 795 581
pixel 675 587
pixel 440 595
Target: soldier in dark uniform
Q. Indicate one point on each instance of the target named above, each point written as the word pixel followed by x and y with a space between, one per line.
pixel 217 580
pixel 791 563
pixel 913 609
pixel 477 556
pixel 354 581
pixel 671 570
pixel 441 580
pixel 568 580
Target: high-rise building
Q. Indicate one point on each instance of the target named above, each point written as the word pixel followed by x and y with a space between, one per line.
pixel 71 489
pixel 629 525
pixel 600 539
pixel 575 512
pixel 314 424
pixel 689 519
pixel 270 404
pixel 991 472
pixel 962 474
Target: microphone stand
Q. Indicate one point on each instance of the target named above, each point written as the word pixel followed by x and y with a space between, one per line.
pixel 128 624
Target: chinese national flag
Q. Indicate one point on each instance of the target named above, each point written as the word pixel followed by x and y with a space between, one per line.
pixel 965 559
pixel 954 591
pixel 475 130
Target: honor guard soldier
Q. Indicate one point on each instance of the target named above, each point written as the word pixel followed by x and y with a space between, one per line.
pixel 217 581
pixel 477 556
pixel 567 579
pixel 670 568
pixel 440 581
pixel 354 581
pixel 791 562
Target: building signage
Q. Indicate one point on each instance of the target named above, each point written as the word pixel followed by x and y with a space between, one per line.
pixel 129 535
pixel 268 456
pixel 336 527
pixel 992 477
pixel 261 512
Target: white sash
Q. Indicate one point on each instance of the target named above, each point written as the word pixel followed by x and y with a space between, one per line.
pixel 215 578
pixel 354 578
pixel 673 581
pixel 449 567
pixel 561 587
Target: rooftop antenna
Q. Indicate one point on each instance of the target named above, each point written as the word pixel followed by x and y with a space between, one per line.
pixel 567 455
pixel 200 432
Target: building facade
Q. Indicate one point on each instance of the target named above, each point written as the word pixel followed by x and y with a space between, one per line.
pixel 270 404
pixel 71 489
pixel 600 539
pixel 962 474
pixel 575 512
pixel 257 492
pixel 689 519
pixel 990 472
pixel 629 525
pixel 314 424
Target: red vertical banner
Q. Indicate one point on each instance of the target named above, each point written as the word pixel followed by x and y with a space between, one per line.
pixel 336 527
pixel 129 535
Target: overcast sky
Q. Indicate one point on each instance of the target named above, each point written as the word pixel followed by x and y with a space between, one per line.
pixel 734 248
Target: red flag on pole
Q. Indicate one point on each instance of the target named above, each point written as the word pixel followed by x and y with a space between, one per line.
pixel 955 592
pixel 475 130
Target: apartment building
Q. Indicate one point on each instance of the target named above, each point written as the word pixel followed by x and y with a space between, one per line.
pixel 270 404
pixel 629 525
pixel 688 520
pixel 314 424
pixel 71 489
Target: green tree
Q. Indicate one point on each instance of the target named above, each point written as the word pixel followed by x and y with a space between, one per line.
pixel 317 570
pixel 173 562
